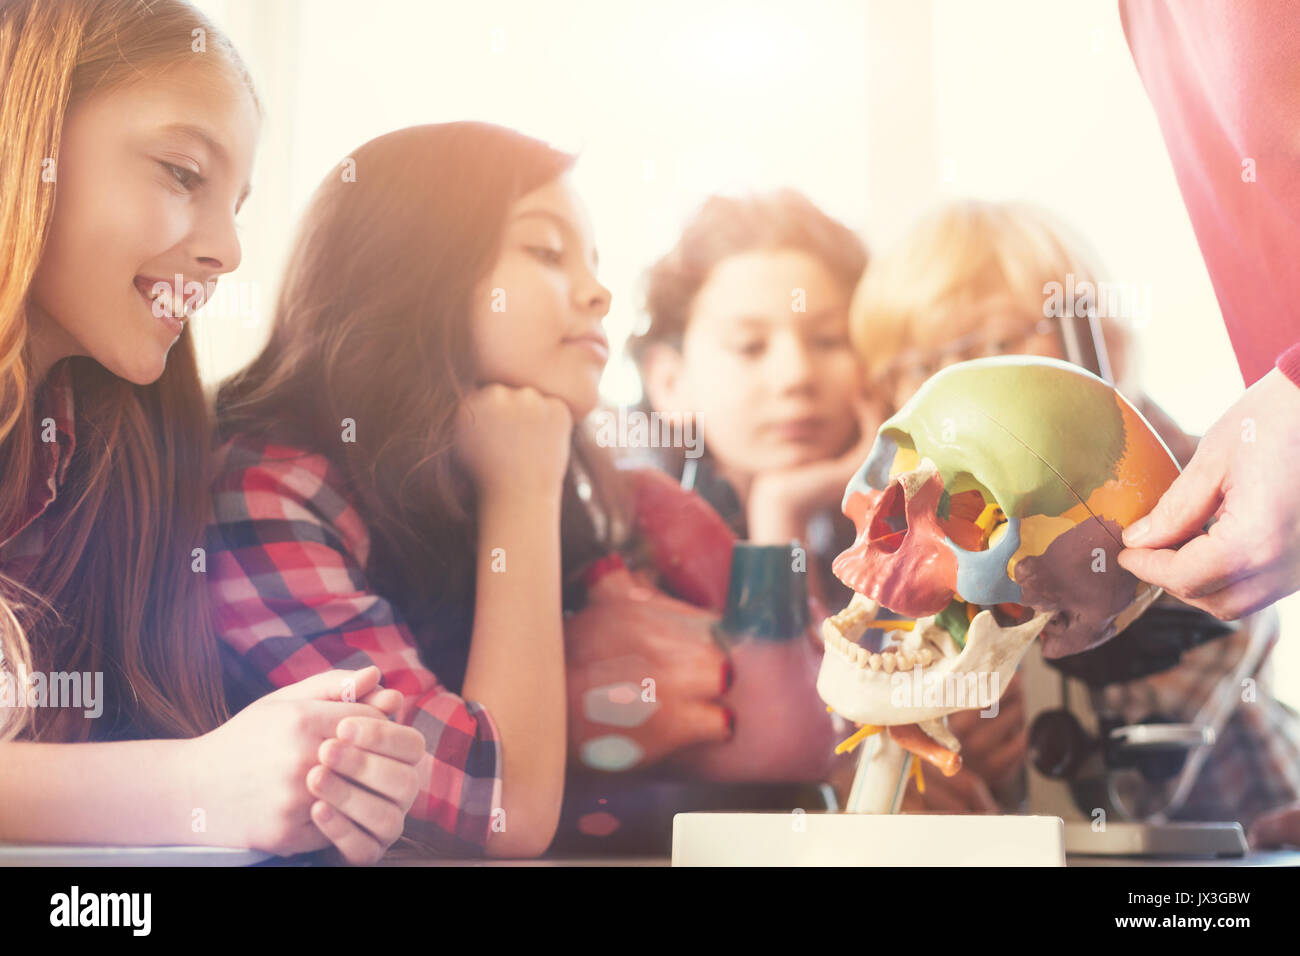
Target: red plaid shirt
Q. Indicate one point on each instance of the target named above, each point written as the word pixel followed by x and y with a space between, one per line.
pixel 21 547
pixel 287 574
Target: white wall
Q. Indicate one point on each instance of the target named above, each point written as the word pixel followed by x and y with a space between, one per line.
pixel 750 95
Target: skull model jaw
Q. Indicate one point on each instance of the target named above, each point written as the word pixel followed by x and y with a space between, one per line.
pixel 923 677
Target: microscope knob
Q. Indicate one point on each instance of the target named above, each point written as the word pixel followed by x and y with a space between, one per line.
pixel 1057 743
pixel 1157 746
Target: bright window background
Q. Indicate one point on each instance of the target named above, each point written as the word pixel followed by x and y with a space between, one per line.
pixel 877 109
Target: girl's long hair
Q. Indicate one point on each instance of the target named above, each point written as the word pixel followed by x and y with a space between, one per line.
pixel 115 589
pixel 372 325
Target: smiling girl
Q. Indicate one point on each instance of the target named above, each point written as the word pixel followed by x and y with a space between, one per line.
pixel 403 484
pixel 141 121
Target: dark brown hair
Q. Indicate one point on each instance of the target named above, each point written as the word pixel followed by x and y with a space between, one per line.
pixel 373 324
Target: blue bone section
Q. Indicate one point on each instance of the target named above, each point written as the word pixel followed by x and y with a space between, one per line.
pixel 982 575
pixel 874 473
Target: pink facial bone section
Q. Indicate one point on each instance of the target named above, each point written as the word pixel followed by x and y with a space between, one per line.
pixel 899 558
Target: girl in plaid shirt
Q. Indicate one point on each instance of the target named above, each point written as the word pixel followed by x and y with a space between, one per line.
pixel 402 482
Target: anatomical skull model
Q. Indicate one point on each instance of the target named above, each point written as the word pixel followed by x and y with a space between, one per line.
pixel 989 511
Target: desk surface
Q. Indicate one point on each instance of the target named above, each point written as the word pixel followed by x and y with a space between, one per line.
pixel 21 855
pixel 1266 858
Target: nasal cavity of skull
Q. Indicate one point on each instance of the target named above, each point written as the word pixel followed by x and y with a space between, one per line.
pixel 889 524
pixel 973 519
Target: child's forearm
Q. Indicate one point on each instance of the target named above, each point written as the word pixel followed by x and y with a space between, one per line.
pixel 128 793
pixel 516 663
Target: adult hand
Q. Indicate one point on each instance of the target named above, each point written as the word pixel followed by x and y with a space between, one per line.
pixel 1244 475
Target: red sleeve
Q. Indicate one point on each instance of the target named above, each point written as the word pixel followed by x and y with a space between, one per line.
pixel 1289 363
pixel 688 542
pixel 1224 79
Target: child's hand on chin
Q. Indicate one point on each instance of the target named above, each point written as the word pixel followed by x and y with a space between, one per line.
pixel 514 440
pixel 782 502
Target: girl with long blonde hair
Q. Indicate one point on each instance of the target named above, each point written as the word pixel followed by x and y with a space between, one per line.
pixel 141 119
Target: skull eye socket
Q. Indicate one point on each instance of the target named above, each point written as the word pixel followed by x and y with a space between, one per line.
pixel 970 522
pixel 889 524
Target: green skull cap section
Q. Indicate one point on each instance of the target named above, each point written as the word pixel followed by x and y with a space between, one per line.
pixel 1041 435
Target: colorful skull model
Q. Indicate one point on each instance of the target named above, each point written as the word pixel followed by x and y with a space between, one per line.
pixel 990 509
